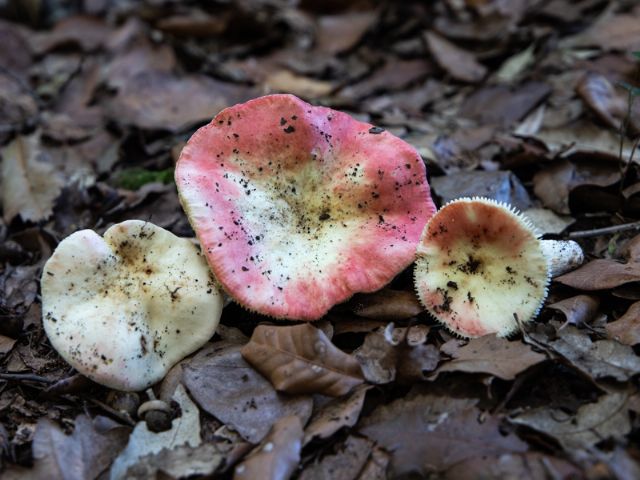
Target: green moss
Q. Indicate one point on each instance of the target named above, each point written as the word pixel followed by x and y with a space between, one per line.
pixel 134 178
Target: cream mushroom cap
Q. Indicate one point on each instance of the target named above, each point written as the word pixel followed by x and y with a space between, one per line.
pixel 125 308
pixel 480 268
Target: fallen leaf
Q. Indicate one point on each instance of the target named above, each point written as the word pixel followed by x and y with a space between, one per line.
pixel 593 423
pixel 627 328
pixel 29 185
pixel 161 101
pixel 490 354
pixel 377 359
pixel 503 105
pixel 345 464
pixel 338 413
pixel 85 32
pixel 612 32
pixel 341 32
pixel 499 185
pixel 301 359
pixel 604 358
pixel 458 63
pixel 6 344
pixel 514 66
pixel 523 466
pixel 577 310
pixel 600 95
pixel 429 433
pixel 185 430
pixel 277 456
pixel 415 363
pixel 386 304
pixel 376 467
pixel 547 221
pixel 305 87
pixel 601 274
pixel 228 388
pixel 85 454
pixel 142 57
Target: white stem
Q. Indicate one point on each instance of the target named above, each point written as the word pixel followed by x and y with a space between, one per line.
pixel 563 255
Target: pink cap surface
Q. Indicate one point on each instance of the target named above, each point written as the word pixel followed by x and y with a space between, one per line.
pixel 299 207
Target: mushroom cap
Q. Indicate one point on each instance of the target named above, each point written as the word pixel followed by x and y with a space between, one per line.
pixel 124 308
pixel 478 266
pixel 299 207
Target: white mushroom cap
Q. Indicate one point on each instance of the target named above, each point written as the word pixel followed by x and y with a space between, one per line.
pixel 124 308
pixel 479 266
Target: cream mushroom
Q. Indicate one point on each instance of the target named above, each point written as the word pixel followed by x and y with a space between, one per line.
pixel 480 268
pixel 124 308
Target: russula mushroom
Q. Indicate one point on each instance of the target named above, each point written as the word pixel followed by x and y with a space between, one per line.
pixel 124 308
pixel 480 267
pixel 299 207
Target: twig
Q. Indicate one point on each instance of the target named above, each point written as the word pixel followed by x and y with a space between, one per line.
pixel 125 418
pixel 596 232
pixel 25 377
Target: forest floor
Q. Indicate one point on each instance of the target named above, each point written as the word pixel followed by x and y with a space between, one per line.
pixel 527 102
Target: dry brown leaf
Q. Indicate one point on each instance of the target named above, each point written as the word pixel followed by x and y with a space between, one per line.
pixel 338 413
pixel 490 354
pixel 85 32
pixel 386 304
pixel 579 309
pixel 277 457
pixel 601 274
pixel 345 464
pixel 161 101
pixel 226 386
pixel 29 185
pixel 627 328
pixel 415 363
pixel 601 96
pixel 600 359
pixel 305 87
pixel 459 63
pixel 341 32
pixel 593 423
pixel 301 359
pixel 613 32
pixel 429 433
pixel 377 358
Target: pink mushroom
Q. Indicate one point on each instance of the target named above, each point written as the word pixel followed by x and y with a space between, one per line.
pixel 299 207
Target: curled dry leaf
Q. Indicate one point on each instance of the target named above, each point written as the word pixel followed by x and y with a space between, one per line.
pixel 226 386
pixel 29 185
pixel 386 304
pixel 579 309
pixel 424 433
pixel 301 359
pixel 593 423
pixel 490 354
pixel 338 413
pixel 601 96
pixel 601 274
pixel 604 358
pixel 277 457
pixel 377 358
pixel 627 328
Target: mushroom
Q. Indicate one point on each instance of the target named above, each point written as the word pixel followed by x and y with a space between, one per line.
pixel 299 207
pixel 480 268
pixel 124 308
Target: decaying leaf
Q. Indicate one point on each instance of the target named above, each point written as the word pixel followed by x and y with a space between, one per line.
pixel 185 430
pixel 345 464
pixel 601 274
pixel 277 457
pixel 577 310
pixel 301 359
pixel 228 388
pixel 377 358
pixel 593 423
pixel 429 433
pixel 627 328
pixel 490 354
pixel 338 413
pixel 459 63
pixel 85 454
pixel 604 358
pixel 29 185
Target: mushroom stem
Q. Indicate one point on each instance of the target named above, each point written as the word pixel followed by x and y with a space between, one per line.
pixel 563 255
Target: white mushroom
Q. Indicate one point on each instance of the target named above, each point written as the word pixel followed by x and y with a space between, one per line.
pixel 124 308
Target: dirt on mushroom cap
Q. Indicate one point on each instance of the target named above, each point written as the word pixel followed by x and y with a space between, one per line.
pixel 124 308
pixel 479 267
pixel 299 207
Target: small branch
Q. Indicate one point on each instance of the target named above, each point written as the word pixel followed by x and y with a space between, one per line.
pixel 596 232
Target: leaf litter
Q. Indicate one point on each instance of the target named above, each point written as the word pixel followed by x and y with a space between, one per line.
pixel 526 102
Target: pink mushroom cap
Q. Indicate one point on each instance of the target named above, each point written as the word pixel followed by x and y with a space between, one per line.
pixel 299 207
